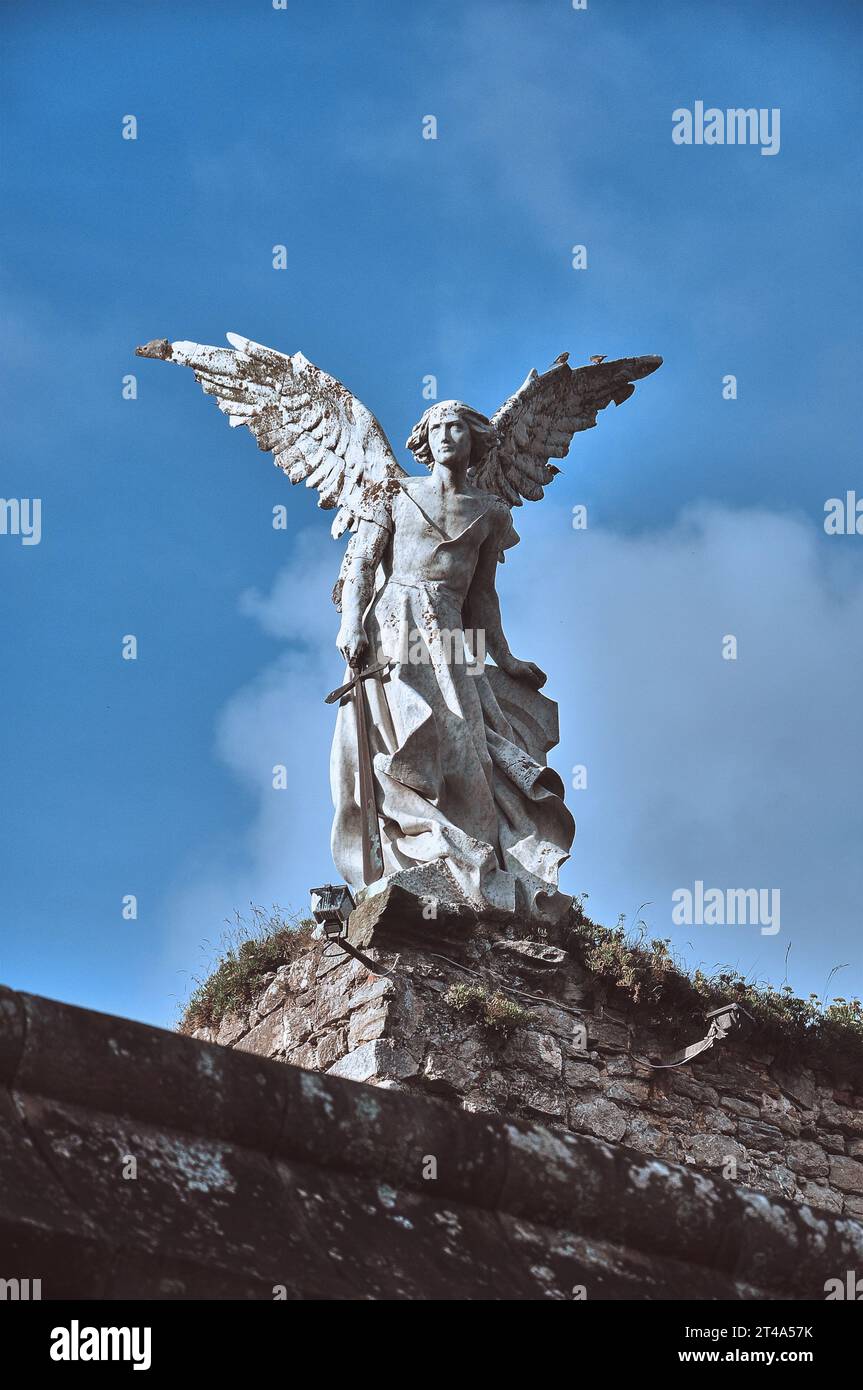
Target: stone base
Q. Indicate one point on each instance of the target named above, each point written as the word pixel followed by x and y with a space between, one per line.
pixel 436 891
pixel 498 1017
pixel 432 886
pixel 398 914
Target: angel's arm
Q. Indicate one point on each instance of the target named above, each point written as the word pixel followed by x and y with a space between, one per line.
pixel 357 589
pixel 482 615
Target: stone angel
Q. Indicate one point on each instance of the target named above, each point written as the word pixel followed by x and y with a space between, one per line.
pixel 438 767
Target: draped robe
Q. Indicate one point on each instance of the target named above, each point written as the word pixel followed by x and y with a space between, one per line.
pixel 458 751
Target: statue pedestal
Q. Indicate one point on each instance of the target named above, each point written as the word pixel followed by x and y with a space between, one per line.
pixel 500 1016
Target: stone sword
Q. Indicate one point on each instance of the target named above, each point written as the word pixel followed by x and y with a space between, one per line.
pixel 373 859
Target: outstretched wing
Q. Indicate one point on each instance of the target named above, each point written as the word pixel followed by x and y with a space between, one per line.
pixel 318 431
pixel 538 422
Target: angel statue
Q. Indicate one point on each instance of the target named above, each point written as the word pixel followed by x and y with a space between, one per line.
pixel 438 766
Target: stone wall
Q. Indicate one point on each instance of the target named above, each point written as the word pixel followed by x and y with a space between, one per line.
pixel 254 1180
pixel 569 1060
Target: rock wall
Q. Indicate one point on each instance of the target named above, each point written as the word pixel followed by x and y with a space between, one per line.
pixel 568 1060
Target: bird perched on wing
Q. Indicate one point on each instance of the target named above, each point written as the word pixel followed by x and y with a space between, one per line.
pixel 597 358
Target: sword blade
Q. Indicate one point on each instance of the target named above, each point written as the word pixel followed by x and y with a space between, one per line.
pixel 373 859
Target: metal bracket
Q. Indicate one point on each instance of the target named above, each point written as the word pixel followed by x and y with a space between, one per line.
pixel 358 955
pixel 722 1022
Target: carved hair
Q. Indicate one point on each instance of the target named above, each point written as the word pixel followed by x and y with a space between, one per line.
pixel 483 435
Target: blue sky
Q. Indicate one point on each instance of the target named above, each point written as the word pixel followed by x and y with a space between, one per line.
pixel 407 257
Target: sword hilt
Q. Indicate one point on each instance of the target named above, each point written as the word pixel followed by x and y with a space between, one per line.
pixel 379 669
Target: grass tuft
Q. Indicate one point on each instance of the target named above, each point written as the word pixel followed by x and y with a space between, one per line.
pixel 250 948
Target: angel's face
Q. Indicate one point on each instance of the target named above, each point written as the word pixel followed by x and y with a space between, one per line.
pixel 449 438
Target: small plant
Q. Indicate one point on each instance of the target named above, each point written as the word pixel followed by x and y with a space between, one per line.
pixel 250 948
pixel 494 1012
pixel 465 998
pixel 503 1015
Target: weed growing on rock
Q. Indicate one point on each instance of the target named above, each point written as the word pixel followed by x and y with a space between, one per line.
pixel 494 1012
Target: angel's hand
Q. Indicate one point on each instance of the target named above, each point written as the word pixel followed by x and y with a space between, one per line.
pixel 353 645
pixel 524 671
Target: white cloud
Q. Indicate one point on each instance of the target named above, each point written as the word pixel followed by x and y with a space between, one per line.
pixel 740 773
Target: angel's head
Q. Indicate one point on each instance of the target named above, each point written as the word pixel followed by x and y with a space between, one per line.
pixel 451 433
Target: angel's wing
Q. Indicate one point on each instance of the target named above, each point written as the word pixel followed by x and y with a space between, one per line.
pixel 538 422
pixel 320 434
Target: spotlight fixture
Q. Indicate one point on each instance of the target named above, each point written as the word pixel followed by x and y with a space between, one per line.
pixel 332 905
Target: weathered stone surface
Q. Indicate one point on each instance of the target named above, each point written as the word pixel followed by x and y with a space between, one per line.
pixel 331 1048
pixel 688 1084
pixel 232 1028
pixel 445 1074
pixel 396 914
pixel 780 1112
pixel 713 1150
pixel 580 1074
pixel 619 1066
pixel 628 1092
pixel 841 1117
pixel 805 1157
pixel 538 1053
pixel 756 1135
pixel 642 1135
pixel 718 1121
pixel 799 1085
pixel 600 1117
pixel 834 1143
pixel 533 956
pixel 846 1174
pixel 779 1179
pixel 539 1101
pixel 605 1033
pixel 375 1060
pixel 563 1024
pixel 744 1108
pixel 669 1103
pixel 539 1066
pixel 299 975
pixel 367 1023
pixel 258 1174
pixel 730 1074
pixel 272 998
pixel 332 999
pixel 268 1038
pixel 821 1197
pixel 372 989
